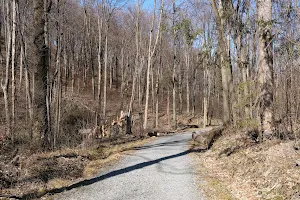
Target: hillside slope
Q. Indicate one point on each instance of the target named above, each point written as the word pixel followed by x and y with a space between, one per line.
pixel 236 167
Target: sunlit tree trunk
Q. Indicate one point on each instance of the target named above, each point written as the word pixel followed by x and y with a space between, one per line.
pixel 151 52
pixel 187 57
pixel 225 59
pixel 265 65
pixel 194 90
pixel 206 95
pixel 148 69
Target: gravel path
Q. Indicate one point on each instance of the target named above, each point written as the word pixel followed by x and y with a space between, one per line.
pixel 161 169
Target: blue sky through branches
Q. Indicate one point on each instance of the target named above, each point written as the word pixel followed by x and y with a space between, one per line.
pixel 148 4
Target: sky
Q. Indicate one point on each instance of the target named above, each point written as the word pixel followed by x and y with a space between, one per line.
pixel 148 4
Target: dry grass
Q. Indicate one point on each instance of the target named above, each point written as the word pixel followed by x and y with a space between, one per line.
pixel 251 171
pixel 112 154
pixel 58 183
pixel 95 166
pixel 46 171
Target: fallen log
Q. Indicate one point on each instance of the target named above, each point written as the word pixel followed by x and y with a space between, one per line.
pixel 205 140
pixel 186 126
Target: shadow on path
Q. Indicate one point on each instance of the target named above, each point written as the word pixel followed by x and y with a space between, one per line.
pixel 118 172
pixel 104 176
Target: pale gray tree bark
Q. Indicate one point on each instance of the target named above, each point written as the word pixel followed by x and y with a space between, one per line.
pixel 265 65
pixel 225 59
pixel 187 60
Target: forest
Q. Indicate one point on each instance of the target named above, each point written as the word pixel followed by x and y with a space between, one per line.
pixel 77 74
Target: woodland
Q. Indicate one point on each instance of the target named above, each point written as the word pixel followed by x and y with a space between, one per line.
pixel 78 73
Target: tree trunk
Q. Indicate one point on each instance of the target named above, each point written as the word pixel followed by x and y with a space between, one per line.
pixel 5 83
pixel 244 62
pixel 91 59
pixel 151 52
pixel 265 66
pixel 29 102
pixel 148 69
pixel 225 60
pixel 180 91
pixel 75 61
pixel 152 88
pixel 174 66
pixel 105 74
pixel 58 88
pixel 187 81
pixel 174 98
pixel 47 8
pixel 122 80
pixel 137 59
pixel 206 96
pixel 13 56
pixel 168 108
pixel 21 69
pixel 100 55
pixel 110 74
pixel 117 73
pixel 41 51
pixel 157 95
pixel 194 91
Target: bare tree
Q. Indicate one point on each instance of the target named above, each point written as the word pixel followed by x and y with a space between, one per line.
pixel 151 52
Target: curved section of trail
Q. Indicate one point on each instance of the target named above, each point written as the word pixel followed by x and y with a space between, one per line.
pixel 160 169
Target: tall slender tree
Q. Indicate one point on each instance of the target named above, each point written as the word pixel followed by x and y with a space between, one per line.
pixel 5 83
pixel 265 65
pixel 151 51
pixel 224 49
pixel 41 52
